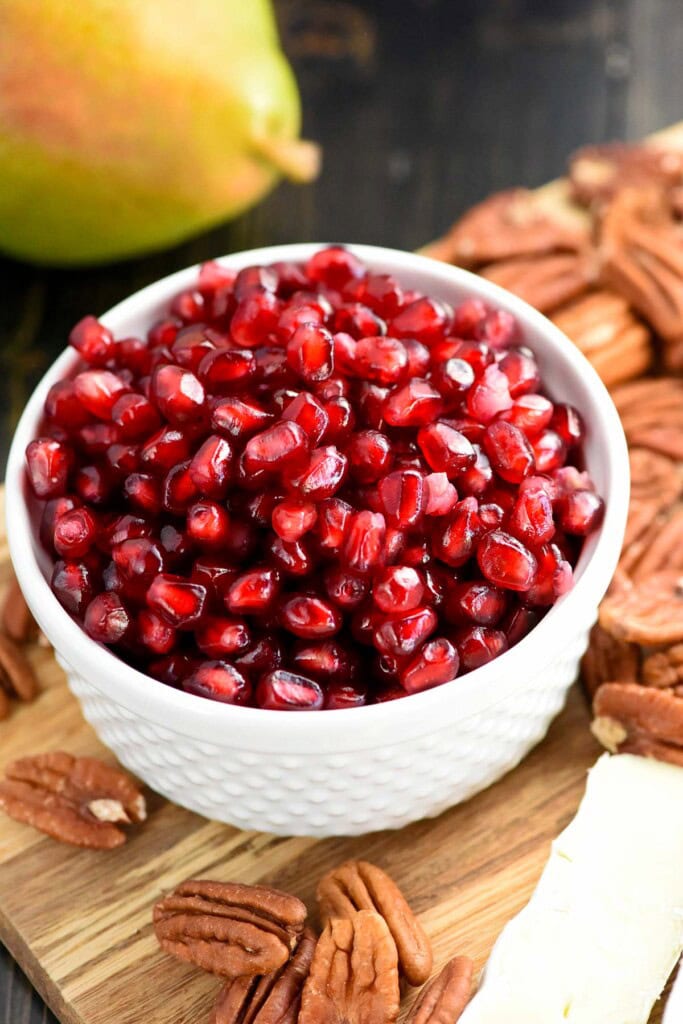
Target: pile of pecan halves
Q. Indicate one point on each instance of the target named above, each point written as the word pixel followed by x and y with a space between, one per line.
pixel 273 970
pixel 601 254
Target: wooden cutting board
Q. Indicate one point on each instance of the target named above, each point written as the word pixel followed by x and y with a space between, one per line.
pixel 79 922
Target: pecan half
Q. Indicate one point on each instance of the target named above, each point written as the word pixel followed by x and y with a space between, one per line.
pixel 607 659
pixel 664 668
pixel 17 620
pixel 77 800
pixel 517 222
pixel 651 613
pixel 645 746
pixel 271 999
pixel 229 929
pixel 16 674
pixel 545 281
pixel 359 885
pixel 597 173
pixel 446 996
pixel 354 974
pixel 641 248
pixel 654 475
pixel 635 710
pixel 664 550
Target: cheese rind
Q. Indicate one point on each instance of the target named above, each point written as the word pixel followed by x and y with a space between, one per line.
pixel 604 927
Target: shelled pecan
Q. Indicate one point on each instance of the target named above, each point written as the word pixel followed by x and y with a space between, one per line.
pixel 229 929
pixel 17 621
pixel 649 613
pixel 508 224
pixel 358 885
pixel 270 999
pixel 77 800
pixel 354 974
pixel 628 713
pixel 16 674
pixel 546 281
pixel 597 173
pixel 664 668
pixel 446 996
pixel 608 659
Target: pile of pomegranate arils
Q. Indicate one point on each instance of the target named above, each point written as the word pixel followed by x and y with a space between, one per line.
pixel 309 488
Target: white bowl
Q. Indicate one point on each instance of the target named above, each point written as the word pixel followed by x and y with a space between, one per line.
pixel 357 770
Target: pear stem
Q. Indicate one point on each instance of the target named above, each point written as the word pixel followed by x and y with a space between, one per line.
pixel 298 159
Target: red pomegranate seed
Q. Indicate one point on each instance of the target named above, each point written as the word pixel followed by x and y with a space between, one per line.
pixel 427 320
pixel 255 319
pixel 323 660
pixel 295 316
pixel 63 406
pixel 332 525
pixel 445 450
pixel 363 548
pixel 264 655
pixel 519 623
pixel 419 357
pixel 179 489
pixel 442 496
pixel 521 370
pixel 381 292
pixel 358 320
pixel 309 617
pixel 479 645
pixel 334 266
pixel 414 405
pixel 97 391
pixel 505 561
pixel 475 480
pixel 133 354
pixel 225 369
pixel 164 450
pixel 72 585
pixel 218 635
pixel 219 681
pixel 567 422
pixel 154 633
pixel 310 353
pixel 210 467
pixel 344 352
pixel 498 329
pixel 284 444
pixel 550 451
pixel 293 518
pixel 580 512
pixel 239 417
pixel 93 341
pixel 255 279
pixel 172 669
pixel 322 476
pixel 143 492
pixel 437 662
pixel 208 524
pixel 253 591
pixel 531 518
pixel 188 306
pixel 468 316
pixel 213 277
pixel 530 413
pixel 382 360
pixel 369 455
pixel 178 601
pixel 123 459
pixel 178 394
pixel 340 695
pixel 94 484
pixel 53 509
pixel 475 601
pixel 190 345
pixel 394 545
pixel 370 402
pixel 489 395
pixel 48 464
pixel 398 588
pixel 569 478
pixel 138 558
pixel 96 438
pixel 402 635
pixel 106 619
pixel 309 413
pixel 456 541
pixel 510 453
pixel 403 497
pixel 287 691
pixel 74 533
pixel 553 577
pixel 341 420
pixel 135 417
pixel 293 558
pixel 345 589
pixel 453 377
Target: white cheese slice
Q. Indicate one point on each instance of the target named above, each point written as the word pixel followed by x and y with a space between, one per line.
pixel 604 928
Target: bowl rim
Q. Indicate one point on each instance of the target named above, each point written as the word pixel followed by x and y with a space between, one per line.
pixel 466 695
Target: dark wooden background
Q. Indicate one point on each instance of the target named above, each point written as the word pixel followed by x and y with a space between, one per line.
pixel 422 107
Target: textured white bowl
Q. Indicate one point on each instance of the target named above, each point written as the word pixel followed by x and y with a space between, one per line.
pixel 353 771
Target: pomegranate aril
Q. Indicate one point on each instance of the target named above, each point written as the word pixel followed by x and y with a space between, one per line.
pixel 364 544
pixel 567 422
pixel 369 455
pixel 264 655
pixel 295 316
pixel 344 352
pixel 530 413
pixel 106 618
pixel 178 394
pixel 399 588
pixel 255 319
pixel 498 329
pixel 213 277
pixel 309 413
pixel 191 345
pixel 218 680
pixel 293 557
pixel 445 450
pixel 340 695
pixel 284 444
pixel 255 279
pixel 96 438
pixel 553 577
pixel 94 484
pixel 359 321
pixel 323 661
pixel 550 451
pixel 425 319
pixel 414 405
pixel 208 525
pixel 287 691
pixel 341 420
pixel 218 635
pixel 53 509
pixel 334 266
pixel 334 517
pixel 489 395
pixel 143 492
pixel 506 562
pixel 322 475
pixel 370 402
pixel 569 478
pixel 175 544
pixel 403 497
pixel 381 292
pixel 402 635
pixel 179 489
pixel 475 601
pixel 394 545
pixel 520 622
pixel 63 406
pixel 226 369
pixel 138 558
pixel 453 377
pixel 310 353
pixel 521 370
pixel 239 417
pixel 165 449
pixel 213 573
pixel 210 467
pixel 156 635
pixel 180 602
pixel 580 512
pixel 475 480
pixel 188 306
pixel 467 318
pixel 309 617
pixel 135 416
pixel 437 662
pixel 455 542
pixel 509 451
pixel 74 533
pixel 172 669
pixel 72 585
pixel 478 645
pixel 98 390
pixel 382 360
pixel 531 518
pixel 344 589
pixel 48 464
pixel 164 332
pixel 293 518
pixel 442 496
pixel 123 459
pixel 93 341
pixel 253 591
pixel 419 357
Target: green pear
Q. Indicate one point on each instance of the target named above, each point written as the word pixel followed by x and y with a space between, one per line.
pixel 129 125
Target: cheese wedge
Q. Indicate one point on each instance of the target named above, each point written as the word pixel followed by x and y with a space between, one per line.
pixel 604 928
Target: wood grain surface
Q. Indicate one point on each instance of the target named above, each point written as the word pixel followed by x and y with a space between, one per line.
pixel 79 922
